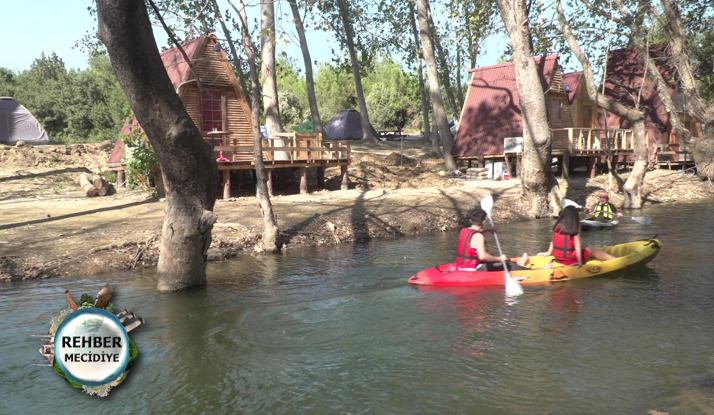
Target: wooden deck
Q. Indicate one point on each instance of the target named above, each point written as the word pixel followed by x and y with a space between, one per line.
pixel 287 150
pixel 591 147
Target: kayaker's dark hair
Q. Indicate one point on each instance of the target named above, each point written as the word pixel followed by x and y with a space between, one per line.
pixel 569 222
pixel 478 216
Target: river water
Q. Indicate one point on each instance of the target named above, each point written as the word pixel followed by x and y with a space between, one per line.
pixel 339 330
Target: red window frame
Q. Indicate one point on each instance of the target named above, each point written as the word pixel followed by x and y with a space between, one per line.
pixel 212 108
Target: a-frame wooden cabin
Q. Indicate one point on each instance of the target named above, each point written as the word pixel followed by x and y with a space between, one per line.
pixel 222 113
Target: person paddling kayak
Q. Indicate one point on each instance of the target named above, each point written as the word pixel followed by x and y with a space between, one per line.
pixel 604 210
pixel 471 254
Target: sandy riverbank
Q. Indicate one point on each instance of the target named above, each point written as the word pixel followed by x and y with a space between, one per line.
pixel 48 227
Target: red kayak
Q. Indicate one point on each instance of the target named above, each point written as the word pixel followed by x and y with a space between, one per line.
pixel 448 274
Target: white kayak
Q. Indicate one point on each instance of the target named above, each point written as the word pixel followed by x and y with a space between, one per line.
pixel 595 224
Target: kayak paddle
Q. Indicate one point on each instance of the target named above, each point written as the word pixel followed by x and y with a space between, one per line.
pixel 513 288
pixel 642 220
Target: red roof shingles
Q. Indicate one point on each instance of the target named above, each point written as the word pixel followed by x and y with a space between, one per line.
pixel 626 85
pixel 492 109
pixel 178 71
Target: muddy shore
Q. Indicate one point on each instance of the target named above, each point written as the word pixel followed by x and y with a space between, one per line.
pixel 48 228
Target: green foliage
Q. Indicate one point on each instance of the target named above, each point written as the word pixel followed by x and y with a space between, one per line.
pixel 111 177
pixel 306 127
pixel 392 96
pixel 72 106
pixel 140 158
pixel 86 298
pixel 335 90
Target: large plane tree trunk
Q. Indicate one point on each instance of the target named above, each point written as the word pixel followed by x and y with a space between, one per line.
pixel 422 87
pixel 270 241
pixel 536 175
pixel 189 171
pixel 367 135
pixel 437 100
pixel 309 80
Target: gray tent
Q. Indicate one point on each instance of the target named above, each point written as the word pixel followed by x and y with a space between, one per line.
pixel 18 124
pixel 346 125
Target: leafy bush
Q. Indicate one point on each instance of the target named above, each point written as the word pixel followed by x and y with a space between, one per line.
pixel 306 127
pixel 140 158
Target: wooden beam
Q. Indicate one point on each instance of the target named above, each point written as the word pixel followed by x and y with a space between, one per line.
pixel 565 165
pixel 226 184
pixel 303 181
pixel 320 177
pixel 345 178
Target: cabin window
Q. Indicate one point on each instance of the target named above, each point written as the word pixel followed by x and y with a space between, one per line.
pixel 212 111
pixel 556 109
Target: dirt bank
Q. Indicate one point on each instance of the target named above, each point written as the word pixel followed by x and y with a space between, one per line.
pixel 49 228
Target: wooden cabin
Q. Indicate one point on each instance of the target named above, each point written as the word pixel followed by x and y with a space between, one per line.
pixel 221 112
pixel 492 112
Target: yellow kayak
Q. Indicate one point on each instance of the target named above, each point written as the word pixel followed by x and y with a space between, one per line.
pixel 628 255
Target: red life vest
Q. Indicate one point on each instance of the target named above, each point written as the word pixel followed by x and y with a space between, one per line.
pixel 466 256
pixel 564 247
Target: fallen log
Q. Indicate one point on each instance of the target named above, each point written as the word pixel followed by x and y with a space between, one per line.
pixel 87 186
pixel 100 183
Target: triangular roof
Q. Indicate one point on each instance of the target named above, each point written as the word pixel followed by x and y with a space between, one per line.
pixel 492 108
pixel 627 84
pixel 572 82
pixel 180 75
pixel 18 124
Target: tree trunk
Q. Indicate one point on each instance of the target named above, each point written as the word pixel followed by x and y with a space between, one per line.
pixel 271 232
pixel 634 186
pixel 189 171
pixel 635 183
pixel 367 135
pixel 267 69
pixel 437 101
pixel 309 80
pixel 536 176
pixel 422 87
pixel 445 72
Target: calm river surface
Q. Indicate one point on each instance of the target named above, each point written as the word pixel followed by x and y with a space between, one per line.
pixel 339 330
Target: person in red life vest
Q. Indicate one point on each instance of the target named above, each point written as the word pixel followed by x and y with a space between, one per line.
pixel 471 250
pixel 604 210
pixel 565 244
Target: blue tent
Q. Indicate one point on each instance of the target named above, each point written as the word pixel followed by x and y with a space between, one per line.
pixel 346 125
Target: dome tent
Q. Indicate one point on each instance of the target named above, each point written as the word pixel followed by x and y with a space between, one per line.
pixel 346 125
pixel 18 124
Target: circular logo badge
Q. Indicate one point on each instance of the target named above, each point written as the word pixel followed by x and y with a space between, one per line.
pixel 92 347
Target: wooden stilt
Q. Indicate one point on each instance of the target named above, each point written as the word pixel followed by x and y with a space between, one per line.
pixel 269 180
pixel 481 161
pixel 121 178
pixel 508 164
pixel 592 166
pixel 320 177
pixel 565 165
pixel 345 178
pixel 226 184
pixel 468 163
pixel 303 180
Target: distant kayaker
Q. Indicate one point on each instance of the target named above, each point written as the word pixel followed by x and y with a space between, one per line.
pixel 565 243
pixel 604 210
pixel 471 250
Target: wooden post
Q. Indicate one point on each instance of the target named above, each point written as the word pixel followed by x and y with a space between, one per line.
pixel 321 177
pixel 508 164
pixel 481 161
pixel 226 184
pixel 303 181
pixel 565 166
pixel 121 178
pixel 592 166
pixel 345 178
pixel 468 163
pixel 519 164
pixel 269 174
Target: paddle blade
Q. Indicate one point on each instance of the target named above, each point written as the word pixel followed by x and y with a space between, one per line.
pixel 487 204
pixel 513 288
pixel 568 202
pixel 642 220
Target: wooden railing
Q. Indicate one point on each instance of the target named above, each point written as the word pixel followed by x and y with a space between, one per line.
pixel 294 147
pixel 587 139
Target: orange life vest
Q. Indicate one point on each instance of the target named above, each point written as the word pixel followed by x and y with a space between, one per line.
pixel 466 256
pixel 563 247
